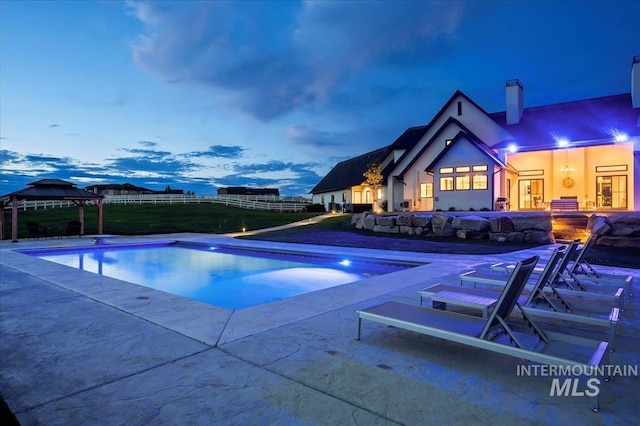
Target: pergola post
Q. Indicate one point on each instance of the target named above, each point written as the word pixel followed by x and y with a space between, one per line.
pixel 14 219
pixel 100 216
pixel 2 221
pixel 80 204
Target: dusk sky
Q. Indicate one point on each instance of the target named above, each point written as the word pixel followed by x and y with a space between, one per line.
pixel 207 94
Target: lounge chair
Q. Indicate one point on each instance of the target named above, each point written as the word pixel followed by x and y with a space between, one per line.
pixel 36 230
pixel 557 308
pixel 581 274
pixel 563 284
pixel 74 227
pixel 484 333
pixel 580 260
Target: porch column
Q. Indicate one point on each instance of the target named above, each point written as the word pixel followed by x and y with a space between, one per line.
pixel 14 220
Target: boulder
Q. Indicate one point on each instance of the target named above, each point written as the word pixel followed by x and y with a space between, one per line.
pixel 469 234
pixel 626 225
pixel 408 230
pixel 369 222
pixel 472 223
pixel 360 220
pixel 500 237
pixel 591 221
pixel 386 229
pixel 422 220
pixel 515 237
pixel 441 224
pixel 462 233
pixel 500 224
pixel 633 242
pixel 539 237
pixel 404 220
pixel 386 220
pixel 418 230
pixel 355 218
pixel 537 222
pixel 600 226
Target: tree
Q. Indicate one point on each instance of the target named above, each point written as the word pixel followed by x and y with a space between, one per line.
pixel 373 177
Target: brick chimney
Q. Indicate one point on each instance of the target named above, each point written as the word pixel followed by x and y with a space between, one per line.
pixel 635 82
pixel 515 101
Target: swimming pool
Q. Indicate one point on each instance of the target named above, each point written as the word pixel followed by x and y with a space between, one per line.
pixel 229 277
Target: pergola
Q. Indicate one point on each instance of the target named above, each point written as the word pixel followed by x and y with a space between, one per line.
pixel 49 189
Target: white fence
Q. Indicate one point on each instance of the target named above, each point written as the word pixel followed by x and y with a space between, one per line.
pixel 269 203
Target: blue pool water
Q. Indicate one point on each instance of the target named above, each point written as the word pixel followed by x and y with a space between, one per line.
pixel 227 277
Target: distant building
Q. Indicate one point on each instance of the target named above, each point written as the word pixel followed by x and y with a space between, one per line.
pixel 128 189
pixel 243 190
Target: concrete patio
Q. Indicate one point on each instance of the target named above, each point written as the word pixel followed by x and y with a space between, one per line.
pixel 77 348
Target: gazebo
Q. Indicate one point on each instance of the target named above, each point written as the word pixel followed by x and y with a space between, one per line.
pixel 49 189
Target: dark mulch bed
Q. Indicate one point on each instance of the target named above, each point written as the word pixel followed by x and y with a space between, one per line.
pixel 345 235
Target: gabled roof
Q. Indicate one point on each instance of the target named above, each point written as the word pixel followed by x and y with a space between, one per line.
pixel 349 172
pixel 453 97
pixel 475 141
pixel 430 141
pixel 409 137
pixel 51 189
pixel 583 123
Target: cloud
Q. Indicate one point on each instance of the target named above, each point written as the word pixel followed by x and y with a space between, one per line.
pixel 219 151
pixel 51 126
pixel 289 177
pixel 156 170
pixel 277 60
pixel 148 144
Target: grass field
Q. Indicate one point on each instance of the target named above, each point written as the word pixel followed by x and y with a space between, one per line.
pixel 136 219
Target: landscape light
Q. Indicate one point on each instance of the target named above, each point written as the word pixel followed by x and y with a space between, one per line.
pixel 345 262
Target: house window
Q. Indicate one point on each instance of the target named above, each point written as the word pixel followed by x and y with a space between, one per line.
pixel 357 197
pixel 463 169
pixel 446 184
pixel 459 108
pixel 611 192
pixel 480 182
pixel 379 194
pixel 462 183
pixel 426 190
pixel 322 199
pixel 444 170
pixel 344 197
pixel 481 168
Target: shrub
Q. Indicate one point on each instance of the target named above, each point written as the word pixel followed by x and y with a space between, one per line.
pixel 315 208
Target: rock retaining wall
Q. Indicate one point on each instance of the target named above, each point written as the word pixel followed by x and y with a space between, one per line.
pixel 534 228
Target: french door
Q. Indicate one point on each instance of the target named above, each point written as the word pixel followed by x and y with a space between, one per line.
pixel 611 192
pixel 530 193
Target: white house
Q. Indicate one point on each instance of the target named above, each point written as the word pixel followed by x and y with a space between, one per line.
pixel 520 158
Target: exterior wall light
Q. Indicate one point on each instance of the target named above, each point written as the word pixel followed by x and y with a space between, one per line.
pixel 620 137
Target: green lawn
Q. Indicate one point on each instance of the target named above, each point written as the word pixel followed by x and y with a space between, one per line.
pixel 136 219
